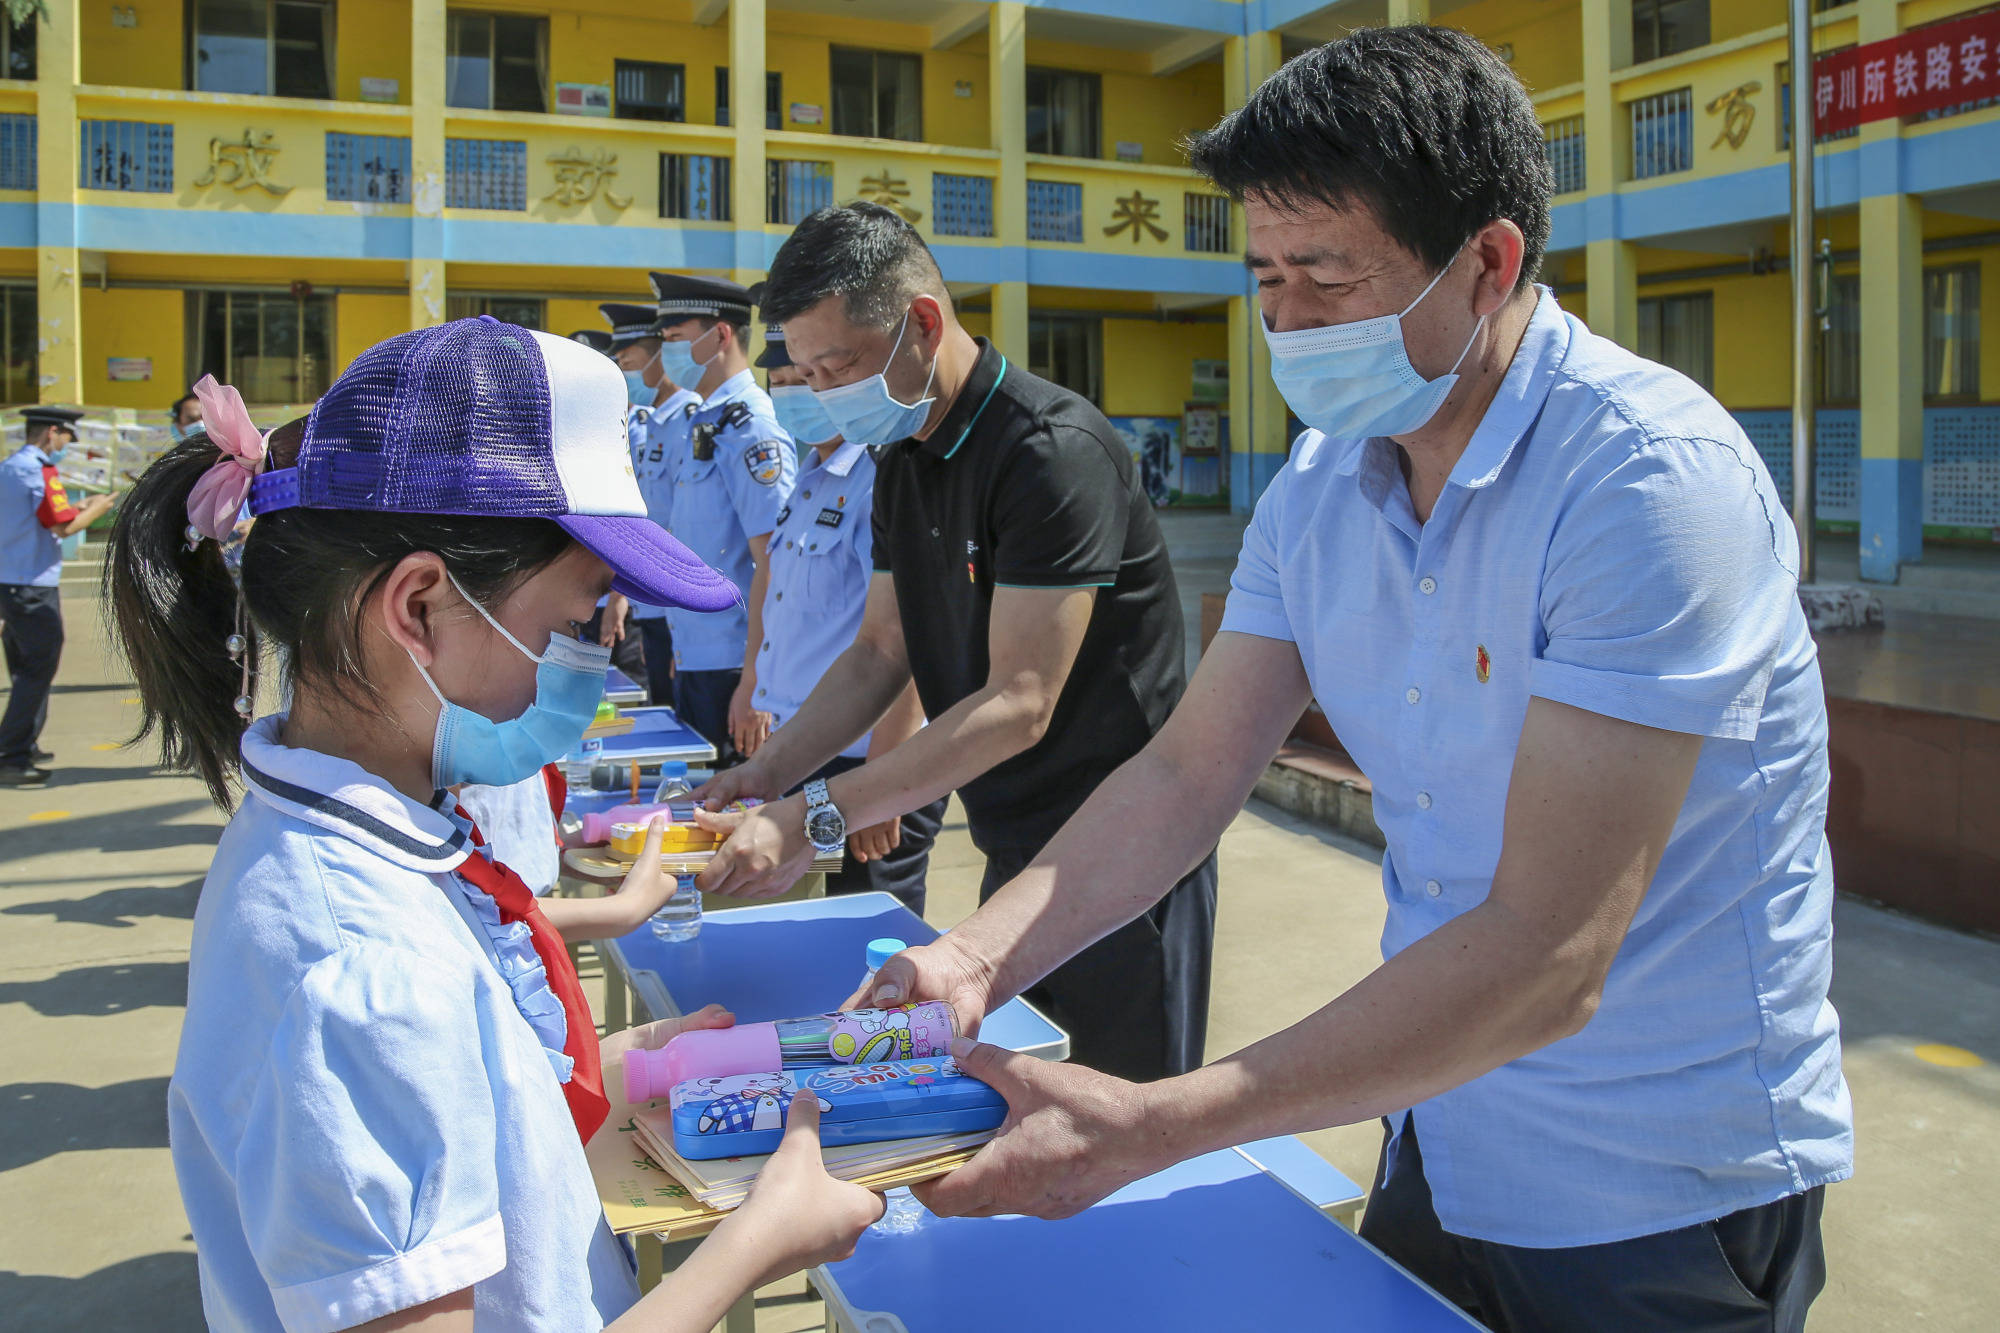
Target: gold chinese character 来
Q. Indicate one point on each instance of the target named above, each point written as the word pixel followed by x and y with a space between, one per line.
pixel 1737 111
pixel 579 178
pixel 891 193
pixel 1135 212
pixel 244 164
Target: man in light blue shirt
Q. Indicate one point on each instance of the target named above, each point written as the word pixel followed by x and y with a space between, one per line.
pixel 1546 594
pixel 655 428
pixel 730 476
pixel 821 564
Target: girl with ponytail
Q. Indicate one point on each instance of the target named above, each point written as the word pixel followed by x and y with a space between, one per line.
pixel 387 1071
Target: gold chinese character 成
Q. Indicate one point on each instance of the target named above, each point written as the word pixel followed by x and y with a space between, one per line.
pixel 891 193
pixel 579 178
pixel 1737 111
pixel 244 164
pixel 1136 212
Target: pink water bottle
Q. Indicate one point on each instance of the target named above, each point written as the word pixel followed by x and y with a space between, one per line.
pixel 855 1036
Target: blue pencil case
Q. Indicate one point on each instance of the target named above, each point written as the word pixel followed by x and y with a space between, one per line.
pixel 744 1114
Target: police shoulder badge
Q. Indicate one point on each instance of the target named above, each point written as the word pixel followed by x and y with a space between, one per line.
pixel 765 461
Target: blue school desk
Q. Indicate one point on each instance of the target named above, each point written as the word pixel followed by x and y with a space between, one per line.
pixel 782 960
pixel 656 736
pixel 1217 1242
pixel 620 688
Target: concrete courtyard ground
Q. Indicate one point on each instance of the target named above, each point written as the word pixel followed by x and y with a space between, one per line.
pixel 98 879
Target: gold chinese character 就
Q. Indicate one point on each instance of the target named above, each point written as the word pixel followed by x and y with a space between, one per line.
pixel 1738 112
pixel 244 164
pixel 891 193
pixel 579 178
pixel 1135 212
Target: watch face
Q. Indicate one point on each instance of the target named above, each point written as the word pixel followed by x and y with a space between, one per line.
pixel 826 827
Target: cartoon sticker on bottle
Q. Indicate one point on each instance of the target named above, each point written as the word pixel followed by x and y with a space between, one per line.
pixel 906 1032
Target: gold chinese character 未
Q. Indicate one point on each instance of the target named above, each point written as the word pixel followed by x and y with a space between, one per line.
pixel 891 193
pixel 244 164
pixel 1134 213
pixel 579 178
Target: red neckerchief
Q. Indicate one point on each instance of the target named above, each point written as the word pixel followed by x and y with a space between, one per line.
pixel 584 1092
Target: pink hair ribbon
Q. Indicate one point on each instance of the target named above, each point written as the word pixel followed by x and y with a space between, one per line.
pixel 218 497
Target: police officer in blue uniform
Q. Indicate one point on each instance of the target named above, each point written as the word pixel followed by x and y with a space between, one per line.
pixel 731 475
pixel 655 427
pixel 820 566
pixel 35 515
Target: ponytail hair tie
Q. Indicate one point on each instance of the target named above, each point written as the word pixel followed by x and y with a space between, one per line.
pixel 219 496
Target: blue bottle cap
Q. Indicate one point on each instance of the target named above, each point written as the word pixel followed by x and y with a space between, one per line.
pixel 882 950
pixel 674 768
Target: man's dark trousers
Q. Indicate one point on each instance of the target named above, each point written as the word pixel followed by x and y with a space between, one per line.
pixel 1754 1271
pixel 1135 1004
pixel 32 640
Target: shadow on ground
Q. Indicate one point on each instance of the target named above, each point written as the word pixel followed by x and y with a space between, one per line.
pixel 157 1292
pixel 143 829
pixel 112 988
pixel 119 908
pixel 44 1119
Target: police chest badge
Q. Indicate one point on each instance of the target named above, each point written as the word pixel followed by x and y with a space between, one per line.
pixel 765 462
pixel 830 518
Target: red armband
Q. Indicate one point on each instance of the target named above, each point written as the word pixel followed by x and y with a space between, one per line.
pixel 55 509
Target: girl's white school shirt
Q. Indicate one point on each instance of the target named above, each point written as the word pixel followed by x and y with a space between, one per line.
pixel 366 1110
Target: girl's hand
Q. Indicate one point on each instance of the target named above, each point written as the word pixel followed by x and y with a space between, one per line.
pixel 652 1036
pixel 798 1216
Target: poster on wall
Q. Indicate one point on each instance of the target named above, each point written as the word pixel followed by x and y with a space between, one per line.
pixel 1175 469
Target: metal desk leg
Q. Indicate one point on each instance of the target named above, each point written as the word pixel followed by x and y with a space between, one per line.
pixel 617 997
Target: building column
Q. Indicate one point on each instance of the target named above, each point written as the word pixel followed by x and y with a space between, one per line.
pixel 1007 112
pixel 58 266
pixel 1612 300
pixel 1258 442
pixel 746 169
pixel 1409 11
pixel 427 275
pixel 1892 347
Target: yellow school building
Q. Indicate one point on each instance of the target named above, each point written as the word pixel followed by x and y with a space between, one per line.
pixel 261 188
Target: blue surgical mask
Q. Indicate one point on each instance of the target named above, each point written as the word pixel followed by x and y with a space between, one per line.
pixel 1355 380
pixel 801 416
pixel 637 391
pixel 865 412
pixel 677 359
pixel 471 747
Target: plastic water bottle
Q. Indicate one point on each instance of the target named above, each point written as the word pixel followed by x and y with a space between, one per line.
pixel 680 919
pixel 879 952
pixel 903 1214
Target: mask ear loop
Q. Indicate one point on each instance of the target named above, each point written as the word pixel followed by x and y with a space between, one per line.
pixel 929 379
pixel 487 616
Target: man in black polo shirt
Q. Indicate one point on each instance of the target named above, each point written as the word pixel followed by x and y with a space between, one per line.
pixel 1021 580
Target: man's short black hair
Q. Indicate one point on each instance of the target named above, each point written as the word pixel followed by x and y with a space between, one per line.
pixel 864 253
pixel 1422 125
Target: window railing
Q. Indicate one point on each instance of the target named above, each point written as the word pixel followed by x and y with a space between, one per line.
pixel 486 173
pixel 694 187
pixel 1055 211
pixel 131 155
pixel 368 168
pixel 792 189
pixel 961 205
pixel 1208 224
pixel 18 160
pixel 1662 133
pixel 1564 141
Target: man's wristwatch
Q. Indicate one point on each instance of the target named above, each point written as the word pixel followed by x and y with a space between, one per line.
pixel 826 827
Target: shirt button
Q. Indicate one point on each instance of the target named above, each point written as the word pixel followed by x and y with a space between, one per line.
pixel 1423 797
pixel 808 495
pixel 781 597
pixel 1433 888
pixel 1413 694
pixel 934 532
pixel 1428 586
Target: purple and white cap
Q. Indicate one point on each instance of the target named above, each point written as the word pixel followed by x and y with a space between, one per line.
pixel 487 419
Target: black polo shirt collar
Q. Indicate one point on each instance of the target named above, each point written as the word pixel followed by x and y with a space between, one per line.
pixel 972 398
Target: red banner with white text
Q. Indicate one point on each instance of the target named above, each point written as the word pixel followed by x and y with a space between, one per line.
pixel 1929 69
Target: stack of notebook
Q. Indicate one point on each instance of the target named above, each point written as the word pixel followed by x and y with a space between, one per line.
pixel 646 1186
